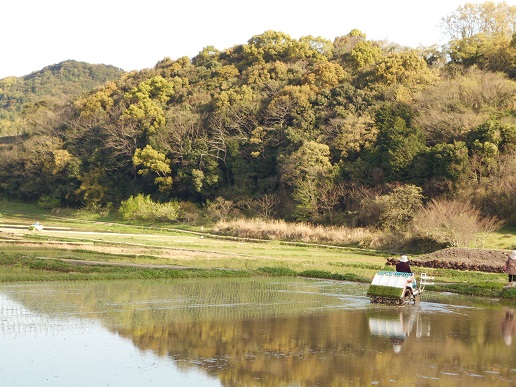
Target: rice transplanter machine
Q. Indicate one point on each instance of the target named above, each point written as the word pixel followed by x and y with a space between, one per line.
pixel 397 288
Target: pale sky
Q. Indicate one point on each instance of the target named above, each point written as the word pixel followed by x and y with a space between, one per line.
pixel 134 35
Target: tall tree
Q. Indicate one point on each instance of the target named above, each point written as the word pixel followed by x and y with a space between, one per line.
pixel 398 141
pixel 482 35
pixel 487 18
pixel 152 162
pixel 306 171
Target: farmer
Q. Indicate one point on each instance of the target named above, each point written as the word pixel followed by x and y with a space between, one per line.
pixel 510 268
pixel 403 265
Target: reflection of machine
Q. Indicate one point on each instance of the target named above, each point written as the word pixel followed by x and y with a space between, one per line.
pixel 395 288
pixel 389 328
pixel 398 328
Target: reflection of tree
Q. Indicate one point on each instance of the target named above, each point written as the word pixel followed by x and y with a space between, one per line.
pixel 274 351
pixel 274 332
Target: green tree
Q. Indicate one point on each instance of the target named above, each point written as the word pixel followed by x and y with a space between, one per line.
pixel 348 136
pixel 343 45
pixel 99 102
pixel 449 161
pixel 291 111
pixel 398 140
pixel 306 171
pixel 493 53
pixel 399 207
pixel 144 208
pixel 325 75
pixel 364 54
pixel 273 45
pixel 399 76
pixel 481 35
pixel 392 211
pixel 319 44
pixel 146 103
pixel 441 168
pixel 209 57
pixel 487 142
pixel 156 163
pixel 93 188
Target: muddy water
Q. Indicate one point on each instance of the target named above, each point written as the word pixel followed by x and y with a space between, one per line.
pixel 252 332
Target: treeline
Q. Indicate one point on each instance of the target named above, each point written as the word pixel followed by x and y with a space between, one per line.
pixel 348 132
pixel 51 85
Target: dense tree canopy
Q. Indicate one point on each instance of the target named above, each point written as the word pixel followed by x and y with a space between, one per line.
pixel 483 35
pixel 304 121
pixel 55 83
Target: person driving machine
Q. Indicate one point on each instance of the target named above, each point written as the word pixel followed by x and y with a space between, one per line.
pixel 403 265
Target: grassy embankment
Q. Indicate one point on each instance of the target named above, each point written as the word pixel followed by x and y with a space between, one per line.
pixel 48 255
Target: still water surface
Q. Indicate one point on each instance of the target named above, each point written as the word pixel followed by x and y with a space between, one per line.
pixel 247 332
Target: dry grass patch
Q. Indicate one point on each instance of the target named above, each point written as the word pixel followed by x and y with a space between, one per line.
pixel 302 232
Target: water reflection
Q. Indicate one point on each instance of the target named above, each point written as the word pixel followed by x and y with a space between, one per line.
pixel 400 326
pixel 273 332
pixel 508 326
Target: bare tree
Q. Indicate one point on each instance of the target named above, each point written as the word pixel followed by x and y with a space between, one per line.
pixel 267 205
pixel 454 222
pixel 489 18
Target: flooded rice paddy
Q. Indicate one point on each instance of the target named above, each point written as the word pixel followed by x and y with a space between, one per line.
pixel 247 332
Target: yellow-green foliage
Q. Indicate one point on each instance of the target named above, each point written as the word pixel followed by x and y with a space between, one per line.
pixel 142 207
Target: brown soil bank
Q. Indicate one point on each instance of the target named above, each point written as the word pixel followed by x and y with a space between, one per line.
pixel 490 261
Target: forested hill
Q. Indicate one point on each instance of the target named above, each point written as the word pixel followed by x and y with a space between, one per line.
pixel 345 131
pixel 58 82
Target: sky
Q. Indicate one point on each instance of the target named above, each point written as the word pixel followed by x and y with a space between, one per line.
pixel 133 35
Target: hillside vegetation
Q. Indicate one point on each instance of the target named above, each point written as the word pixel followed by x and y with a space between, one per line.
pixel 52 85
pixel 418 143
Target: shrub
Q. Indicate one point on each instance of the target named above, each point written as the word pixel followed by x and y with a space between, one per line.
pixel 48 202
pixel 453 222
pixel 220 209
pixel 393 211
pixel 142 207
pixel 188 212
